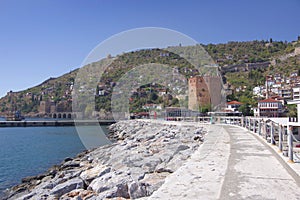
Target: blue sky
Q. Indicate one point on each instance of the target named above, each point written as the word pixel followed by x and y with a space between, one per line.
pixel 42 39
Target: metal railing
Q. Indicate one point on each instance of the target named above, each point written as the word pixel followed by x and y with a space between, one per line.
pixel 280 135
pixel 277 134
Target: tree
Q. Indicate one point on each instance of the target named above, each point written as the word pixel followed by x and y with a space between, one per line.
pixel 153 96
pixel 205 108
pixel 175 102
pixel 245 109
pixel 231 97
pixel 292 110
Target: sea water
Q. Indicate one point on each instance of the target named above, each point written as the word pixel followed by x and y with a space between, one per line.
pixel 28 151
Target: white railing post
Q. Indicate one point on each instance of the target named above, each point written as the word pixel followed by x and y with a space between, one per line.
pixel 272 133
pixel 265 130
pixel 259 127
pixel 249 126
pixel 242 121
pixel 280 138
pixel 248 123
pixel 290 143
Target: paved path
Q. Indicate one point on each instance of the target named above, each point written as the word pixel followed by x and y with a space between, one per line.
pixel 231 164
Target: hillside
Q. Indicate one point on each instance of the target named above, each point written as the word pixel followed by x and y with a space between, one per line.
pixel 59 90
pixel 233 53
pixel 241 64
pixel 245 65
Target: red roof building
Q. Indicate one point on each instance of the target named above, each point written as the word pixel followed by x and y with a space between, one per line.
pixel 233 106
pixel 269 108
pixel 234 103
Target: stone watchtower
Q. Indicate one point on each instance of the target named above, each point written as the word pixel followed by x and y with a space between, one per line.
pixel 198 93
pixel 214 84
pixel 44 107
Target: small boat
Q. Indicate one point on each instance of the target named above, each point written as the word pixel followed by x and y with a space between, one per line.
pixel 14 116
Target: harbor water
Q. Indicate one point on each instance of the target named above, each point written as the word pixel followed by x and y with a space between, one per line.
pixel 29 151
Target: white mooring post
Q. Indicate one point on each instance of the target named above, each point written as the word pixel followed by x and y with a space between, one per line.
pixel 280 129
pixel 290 142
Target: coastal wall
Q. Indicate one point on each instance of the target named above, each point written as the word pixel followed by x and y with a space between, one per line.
pixel 135 165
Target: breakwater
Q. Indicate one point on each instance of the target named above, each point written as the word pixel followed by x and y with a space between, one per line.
pixel 54 123
pixel 143 154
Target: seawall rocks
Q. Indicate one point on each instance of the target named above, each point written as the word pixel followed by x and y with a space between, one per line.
pixel 143 154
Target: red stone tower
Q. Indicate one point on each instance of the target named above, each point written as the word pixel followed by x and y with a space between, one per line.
pixel 198 93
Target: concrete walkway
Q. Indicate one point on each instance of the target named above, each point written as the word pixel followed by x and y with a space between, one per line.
pixel 231 164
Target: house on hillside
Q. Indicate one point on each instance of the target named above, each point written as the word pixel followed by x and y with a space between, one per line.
pixel 269 108
pixel 258 91
pixel 294 122
pixel 296 93
pixel 233 106
pixel 285 93
pixel 152 106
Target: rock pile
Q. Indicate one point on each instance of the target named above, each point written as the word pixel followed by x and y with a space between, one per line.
pixel 134 166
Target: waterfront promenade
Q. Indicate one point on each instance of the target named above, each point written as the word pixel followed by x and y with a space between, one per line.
pixel 232 163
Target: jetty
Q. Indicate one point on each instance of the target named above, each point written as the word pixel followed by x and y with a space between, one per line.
pixel 39 123
pixel 232 163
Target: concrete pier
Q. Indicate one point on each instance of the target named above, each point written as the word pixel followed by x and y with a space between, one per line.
pixel 233 164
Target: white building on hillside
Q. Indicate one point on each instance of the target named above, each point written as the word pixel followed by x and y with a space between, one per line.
pixel 269 108
pixel 233 106
pixel 296 93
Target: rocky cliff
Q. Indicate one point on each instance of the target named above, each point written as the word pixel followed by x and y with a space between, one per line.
pixel 143 154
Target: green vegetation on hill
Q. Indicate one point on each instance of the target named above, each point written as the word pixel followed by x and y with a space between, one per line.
pixel 245 81
pixel 286 67
pixel 228 56
pixel 233 53
pixel 58 90
pixel 128 61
